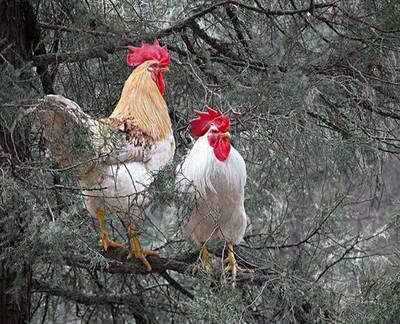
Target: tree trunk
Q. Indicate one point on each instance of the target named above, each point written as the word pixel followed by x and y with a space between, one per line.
pixel 18 37
pixel 15 34
pixel 15 305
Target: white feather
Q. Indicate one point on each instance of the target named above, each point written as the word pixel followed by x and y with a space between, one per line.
pixel 219 212
pixel 125 184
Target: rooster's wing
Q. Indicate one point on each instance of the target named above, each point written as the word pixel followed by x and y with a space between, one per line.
pixel 75 138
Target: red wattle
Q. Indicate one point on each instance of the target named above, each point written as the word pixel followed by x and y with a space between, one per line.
pixel 160 83
pixel 159 80
pixel 221 146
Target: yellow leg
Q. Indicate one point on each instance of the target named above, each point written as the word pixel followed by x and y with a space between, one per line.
pixel 204 256
pixel 136 249
pixel 105 239
pixel 232 264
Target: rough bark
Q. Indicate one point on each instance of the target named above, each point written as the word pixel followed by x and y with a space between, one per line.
pixel 18 37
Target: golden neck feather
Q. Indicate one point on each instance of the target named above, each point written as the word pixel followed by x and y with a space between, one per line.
pixel 142 102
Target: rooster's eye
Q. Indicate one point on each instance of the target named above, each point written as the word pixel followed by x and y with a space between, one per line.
pixel 153 67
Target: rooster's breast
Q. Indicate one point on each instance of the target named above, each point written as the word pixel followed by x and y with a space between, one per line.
pixel 162 153
pixel 124 185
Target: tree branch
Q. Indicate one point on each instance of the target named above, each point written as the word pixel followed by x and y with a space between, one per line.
pixel 117 263
pixel 176 285
pixel 342 257
pixel 87 298
pixel 104 50
pixel 237 24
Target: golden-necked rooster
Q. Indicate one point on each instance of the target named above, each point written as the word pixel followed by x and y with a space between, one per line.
pixel 122 172
pixel 218 174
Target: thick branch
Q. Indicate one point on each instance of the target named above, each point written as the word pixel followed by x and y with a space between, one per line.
pixel 87 298
pixel 267 12
pixel 81 55
pixel 117 263
pixel 236 23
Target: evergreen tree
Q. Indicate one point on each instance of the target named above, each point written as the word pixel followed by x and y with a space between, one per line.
pixel 312 88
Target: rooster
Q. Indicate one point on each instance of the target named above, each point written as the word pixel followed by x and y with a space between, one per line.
pixel 123 172
pixel 217 172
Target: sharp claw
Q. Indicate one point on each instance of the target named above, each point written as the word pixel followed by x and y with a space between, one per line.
pixel 200 265
pixel 105 239
pixel 235 270
pixel 150 252
pixel 238 269
pixel 137 251
pixel 203 261
pixel 146 264
pixel 115 245
pixel 106 243
pixel 142 258
pixel 232 264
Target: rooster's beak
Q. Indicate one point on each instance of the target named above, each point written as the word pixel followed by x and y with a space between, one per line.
pixel 226 135
pixel 164 69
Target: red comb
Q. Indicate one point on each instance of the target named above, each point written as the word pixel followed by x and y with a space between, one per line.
pixel 148 52
pixel 199 126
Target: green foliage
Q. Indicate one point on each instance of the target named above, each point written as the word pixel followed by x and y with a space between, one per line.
pixel 378 304
pixel 13 91
pixel 219 305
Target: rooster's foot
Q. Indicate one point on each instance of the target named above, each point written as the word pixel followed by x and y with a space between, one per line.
pixel 137 251
pixel 106 243
pixel 232 265
pixel 105 238
pixel 203 261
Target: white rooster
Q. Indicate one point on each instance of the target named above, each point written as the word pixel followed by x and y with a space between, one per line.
pixel 218 173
